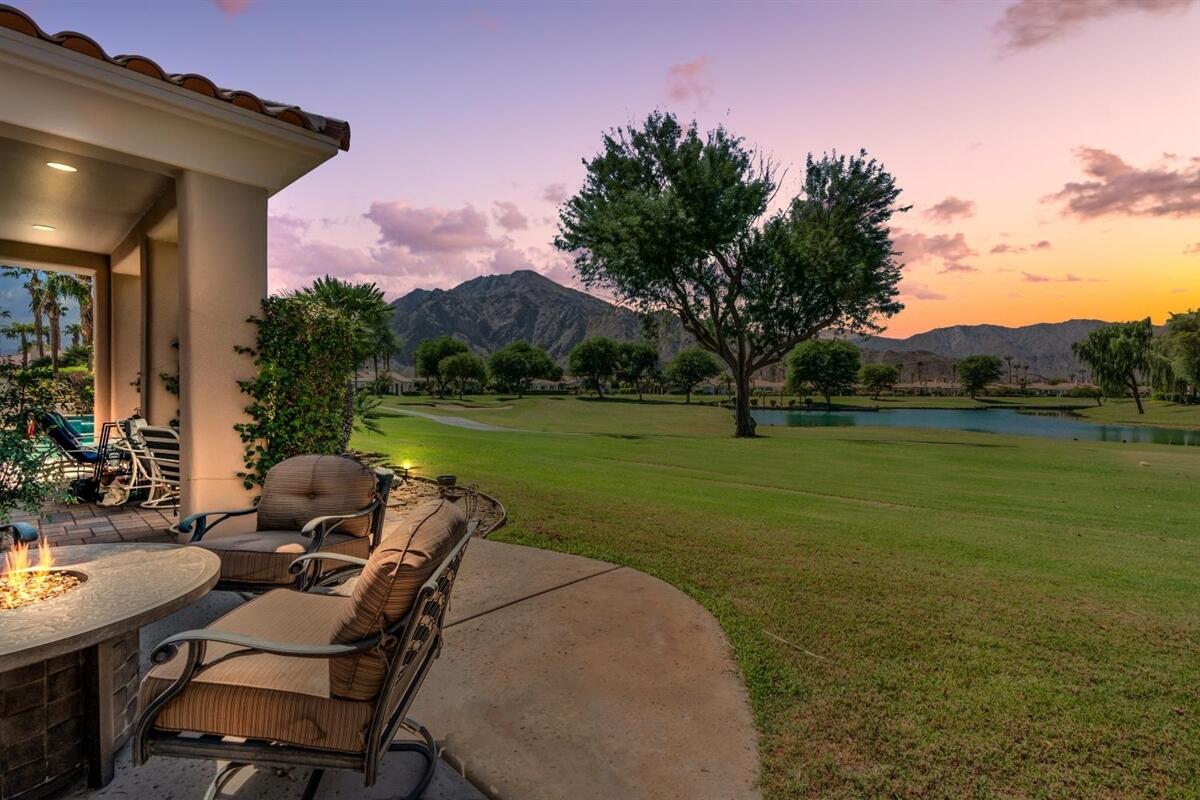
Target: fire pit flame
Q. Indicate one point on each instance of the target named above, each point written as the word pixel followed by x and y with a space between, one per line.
pixel 26 581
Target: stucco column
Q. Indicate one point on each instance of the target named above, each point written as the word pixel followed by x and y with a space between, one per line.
pixel 161 311
pixel 125 343
pixel 101 352
pixel 222 282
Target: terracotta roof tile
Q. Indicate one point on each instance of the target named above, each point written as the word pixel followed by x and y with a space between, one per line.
pixel 335 129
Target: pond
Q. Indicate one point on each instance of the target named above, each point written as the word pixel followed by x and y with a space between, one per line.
pixel 1046 424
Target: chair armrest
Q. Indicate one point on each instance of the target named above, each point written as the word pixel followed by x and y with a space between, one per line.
pixel 301 563
pixel 202 525
pixel 168 647
pixel 313 524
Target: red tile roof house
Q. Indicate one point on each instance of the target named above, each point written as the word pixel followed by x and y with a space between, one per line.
pixel 164 202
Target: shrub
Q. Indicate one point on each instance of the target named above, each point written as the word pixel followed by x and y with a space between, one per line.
pixel 26 486
pixel 305 352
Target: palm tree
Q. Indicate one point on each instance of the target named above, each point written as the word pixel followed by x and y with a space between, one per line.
pixel 79 289
pixel 33 285
pixel 22 331
pixel 74 330
pixel 1009 359
pixel 57 285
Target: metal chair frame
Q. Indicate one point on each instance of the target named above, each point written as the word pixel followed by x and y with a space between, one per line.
pixel 410 645
pixel 316 529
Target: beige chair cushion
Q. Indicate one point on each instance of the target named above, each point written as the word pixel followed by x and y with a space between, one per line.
pixel 262 696
pixel 264 556
pixel 407 555
pixel 303 488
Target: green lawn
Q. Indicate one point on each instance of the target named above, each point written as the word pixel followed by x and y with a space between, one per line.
pixel 990 616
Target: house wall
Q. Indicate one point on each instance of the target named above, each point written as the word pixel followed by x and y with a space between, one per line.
pixel 160 288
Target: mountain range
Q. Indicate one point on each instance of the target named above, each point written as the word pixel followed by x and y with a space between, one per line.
pixel 491 311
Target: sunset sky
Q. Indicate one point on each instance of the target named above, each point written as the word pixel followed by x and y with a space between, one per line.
pixel 1051 151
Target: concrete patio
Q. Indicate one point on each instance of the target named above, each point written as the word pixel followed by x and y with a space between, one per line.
pixel 561 677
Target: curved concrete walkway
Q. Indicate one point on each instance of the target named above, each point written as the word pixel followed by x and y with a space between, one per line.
pixel 566 677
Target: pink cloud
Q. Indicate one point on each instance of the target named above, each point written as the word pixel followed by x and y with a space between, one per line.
pixel 509 217
pixel 690 82
pixel 431 230
pixel 920 291
pixel 1117 188
pixel 950 209
pixel 953 266
pixel 917 247
pixel 231 8
pixel 1030 277
pixel 555 193
pixel 1028 23
pixel 1044 244
pixel 295 257
pixel 1192 249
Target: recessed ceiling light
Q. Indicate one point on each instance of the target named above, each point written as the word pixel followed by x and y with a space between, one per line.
pixel 43 227
pixel 61 167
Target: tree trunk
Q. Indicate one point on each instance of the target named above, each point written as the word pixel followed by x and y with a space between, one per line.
pixel 55 338
pixel 744 425
pixel 688 396
pixel 1137 395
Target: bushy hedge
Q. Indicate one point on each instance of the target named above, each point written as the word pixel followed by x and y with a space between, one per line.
pixel 306 357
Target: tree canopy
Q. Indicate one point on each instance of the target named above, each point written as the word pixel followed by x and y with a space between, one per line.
pixel 460 369
pixel 691 366
pixel 830 366
pixel 976 372
pixel 516 366
pixel 1175 358
pixel 878 378
pixel 636 362
pixel 1118 355
pixel 595 360
pixel 429 356
pixel 667 218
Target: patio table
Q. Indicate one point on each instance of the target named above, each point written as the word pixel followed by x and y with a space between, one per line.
pixel 69 665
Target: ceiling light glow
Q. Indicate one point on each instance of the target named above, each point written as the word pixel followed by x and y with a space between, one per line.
pixel 43 227
pixel 61 167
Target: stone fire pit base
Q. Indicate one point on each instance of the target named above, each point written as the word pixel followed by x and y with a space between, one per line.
pixel 46 708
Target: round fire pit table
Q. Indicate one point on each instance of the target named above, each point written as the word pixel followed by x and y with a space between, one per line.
pixel 69 664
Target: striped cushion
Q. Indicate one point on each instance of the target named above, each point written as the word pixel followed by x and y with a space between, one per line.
pixel 407 555
pixel 303 488
pixel 264 556
pixel 264 696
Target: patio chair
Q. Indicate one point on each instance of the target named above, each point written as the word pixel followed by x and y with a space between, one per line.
pixel 159 465
pixel 309 503
pixel 311 678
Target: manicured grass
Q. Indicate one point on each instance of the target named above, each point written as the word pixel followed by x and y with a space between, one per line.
pixel 1157 413
pixel 969 615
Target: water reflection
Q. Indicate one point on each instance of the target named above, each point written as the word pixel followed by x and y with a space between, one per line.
pixel 1046 424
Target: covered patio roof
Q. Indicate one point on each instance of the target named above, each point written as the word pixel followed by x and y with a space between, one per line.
pixel 156 184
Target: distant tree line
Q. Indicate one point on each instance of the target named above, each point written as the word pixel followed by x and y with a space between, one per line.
pixel 41 341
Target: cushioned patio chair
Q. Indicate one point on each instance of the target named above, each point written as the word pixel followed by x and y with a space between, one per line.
pixel 313 678
pixel 308 504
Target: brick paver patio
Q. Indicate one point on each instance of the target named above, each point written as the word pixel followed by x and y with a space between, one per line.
pixel 88 523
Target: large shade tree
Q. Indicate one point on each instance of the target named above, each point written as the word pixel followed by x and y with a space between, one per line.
pixel 1118 355
pixel 668 218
